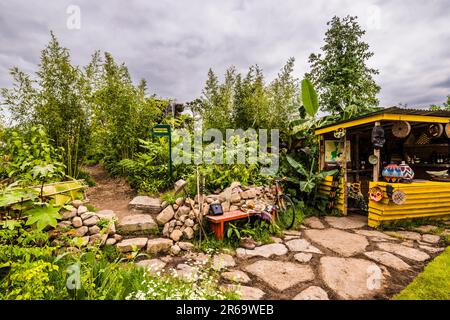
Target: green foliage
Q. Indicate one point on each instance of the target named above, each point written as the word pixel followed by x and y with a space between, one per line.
pixel 309 97
pixel 30 155
pixel 169 197
pixel 344 81
pixel 248 102
pixel 43 215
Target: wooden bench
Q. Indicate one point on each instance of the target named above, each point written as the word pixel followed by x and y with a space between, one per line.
pixel 217 222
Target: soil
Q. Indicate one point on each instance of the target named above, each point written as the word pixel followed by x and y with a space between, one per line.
pixel 109 193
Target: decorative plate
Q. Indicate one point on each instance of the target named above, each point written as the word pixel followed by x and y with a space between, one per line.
pixel 398 197
pixel 339 133
pixel 375 194
pixel 435 130
pixel 373 159
pixel 401 129
pixel 447 130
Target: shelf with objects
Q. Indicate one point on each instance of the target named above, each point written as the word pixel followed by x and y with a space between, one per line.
pixel 394 164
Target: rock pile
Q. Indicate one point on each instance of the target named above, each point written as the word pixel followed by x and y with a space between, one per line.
pixel 90 227
pixel 181 220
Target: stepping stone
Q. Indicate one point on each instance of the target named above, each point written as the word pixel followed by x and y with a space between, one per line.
pixel 222 261
pixel 431 238
pixel 236 276
pixel 314 222
pixel 128 244
pixel 388 259
pixel 431 249
pixel 187 272
pixel 403 251
pixel 303 257
pixel 353 222
pixel 351 278
pixel 106 214
pixel 198 257
pixel 290 237
pixel 165 216
pixel 146 204
pixel 265 251
pixel 247 293
pixel 302 245
pixel 152 265
pixel 342 242
pixel 312 293
pixel 280 275
pixel 426 229
pixel 138 223
pixel 374 234
pixel 276 240
pixel 293 233
pixel 158 245
pixel 409 235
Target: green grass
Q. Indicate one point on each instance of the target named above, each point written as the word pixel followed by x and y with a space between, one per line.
pixel 433 283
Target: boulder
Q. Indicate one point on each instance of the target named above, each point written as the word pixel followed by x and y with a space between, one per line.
pixel 176 235
pixel 187 246
pixel 90 221
pixel 166 215
pixel 146 204
pixel 175 250
pixel 128 244
pixel 94 230
pixel 81 231
pixel 139 223
pixel 110 242
pixel 183 210
pixel 77 203
pixel 69 214
pixel 158 245
pixel 236 276
pixel 81 210
pixel 188 233
pixel 77 222
pixel 222 261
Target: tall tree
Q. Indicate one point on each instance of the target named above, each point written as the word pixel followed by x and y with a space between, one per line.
pixel 344 81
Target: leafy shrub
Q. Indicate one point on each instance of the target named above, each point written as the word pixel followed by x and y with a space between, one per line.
pixel 24 152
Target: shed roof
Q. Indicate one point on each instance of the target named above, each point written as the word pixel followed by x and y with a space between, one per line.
pixel 390 114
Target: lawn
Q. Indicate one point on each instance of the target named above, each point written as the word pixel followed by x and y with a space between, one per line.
pixel 433 283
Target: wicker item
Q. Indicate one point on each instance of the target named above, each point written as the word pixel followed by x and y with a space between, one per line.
pixel 401 129
pixel 423 139
pixel 447 130
pixel 398 197
pixel 375 194
pixel 435 130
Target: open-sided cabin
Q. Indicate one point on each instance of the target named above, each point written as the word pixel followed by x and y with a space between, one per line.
pixel 393 163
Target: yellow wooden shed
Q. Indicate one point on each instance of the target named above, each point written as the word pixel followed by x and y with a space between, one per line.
pixel 393 162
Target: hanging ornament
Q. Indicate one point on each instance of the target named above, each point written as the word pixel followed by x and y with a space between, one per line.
pixel 401 129
pixel 398 197
pixel 378 138
pixel 447 130
pixel 435 130
pixel 339 133
pixel 375 194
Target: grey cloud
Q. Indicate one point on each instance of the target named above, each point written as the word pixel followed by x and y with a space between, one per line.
pixel 173 43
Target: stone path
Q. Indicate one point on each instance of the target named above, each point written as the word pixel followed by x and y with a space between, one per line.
pixel 328 258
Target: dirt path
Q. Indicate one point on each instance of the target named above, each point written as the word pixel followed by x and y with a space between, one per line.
pixel 109 193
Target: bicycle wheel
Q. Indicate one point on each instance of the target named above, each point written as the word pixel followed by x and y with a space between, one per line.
pixel 286 212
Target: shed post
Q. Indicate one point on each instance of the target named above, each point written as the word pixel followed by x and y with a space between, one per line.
pixel 376 167
pixel 344 167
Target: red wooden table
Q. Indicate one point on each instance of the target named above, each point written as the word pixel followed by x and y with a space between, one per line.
pixel 217 222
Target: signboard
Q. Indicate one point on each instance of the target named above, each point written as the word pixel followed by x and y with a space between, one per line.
pixel 334 150
pixel 164 130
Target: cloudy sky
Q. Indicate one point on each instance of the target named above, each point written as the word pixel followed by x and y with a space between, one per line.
pixel 173 43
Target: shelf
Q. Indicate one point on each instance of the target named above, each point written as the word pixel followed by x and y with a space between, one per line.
pixel 359 171
pixel 431 165
pixel 437 145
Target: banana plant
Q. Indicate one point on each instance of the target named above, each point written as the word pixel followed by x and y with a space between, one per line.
pixel 310 179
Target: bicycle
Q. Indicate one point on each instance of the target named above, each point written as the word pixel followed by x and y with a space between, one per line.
pixel 283 209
